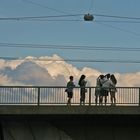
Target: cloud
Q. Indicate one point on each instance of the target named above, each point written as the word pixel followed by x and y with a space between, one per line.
pixel 33 71
pixel 129 79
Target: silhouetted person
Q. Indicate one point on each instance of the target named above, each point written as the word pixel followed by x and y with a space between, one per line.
pixel 102 79
pixel 69 90
pixel 83 90
pixel 106 83
pixel 113 89
pixel 98 89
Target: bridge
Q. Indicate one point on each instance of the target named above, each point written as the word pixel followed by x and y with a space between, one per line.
pixel 41 112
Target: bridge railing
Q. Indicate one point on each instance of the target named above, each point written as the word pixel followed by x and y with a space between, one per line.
pixel 43 95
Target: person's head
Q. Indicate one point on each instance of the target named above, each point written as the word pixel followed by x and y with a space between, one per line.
pixel 108 75
pixel 113 79
pixel 101 76
pixel 81 78
pixel 111 76
pixel 71 78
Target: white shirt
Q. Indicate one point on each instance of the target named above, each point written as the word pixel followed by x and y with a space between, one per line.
pixel 107 84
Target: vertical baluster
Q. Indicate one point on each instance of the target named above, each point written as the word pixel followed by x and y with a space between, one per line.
pixel 38 96
pixel 90 96
pixel 139 96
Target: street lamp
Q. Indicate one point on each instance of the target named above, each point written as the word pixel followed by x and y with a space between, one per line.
pixel 88 17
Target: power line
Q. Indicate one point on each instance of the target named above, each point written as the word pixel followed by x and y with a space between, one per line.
pixel 44 6
pixel 78 20
pixel 39 17
pixel 91 6
pixel 48 20
pixel 67 15
pixel 117 21
pixel 74 60
pixel 118 17
pixel 120 29
pixel 67 47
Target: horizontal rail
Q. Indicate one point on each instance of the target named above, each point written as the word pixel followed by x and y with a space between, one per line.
pixel 44 95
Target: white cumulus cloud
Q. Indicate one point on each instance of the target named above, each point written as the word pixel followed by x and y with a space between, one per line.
pixel 48 72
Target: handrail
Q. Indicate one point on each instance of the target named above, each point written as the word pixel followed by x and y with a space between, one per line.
pixel 56 95
pixel 43 86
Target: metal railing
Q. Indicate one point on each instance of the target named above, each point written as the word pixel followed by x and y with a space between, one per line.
pixel 43 95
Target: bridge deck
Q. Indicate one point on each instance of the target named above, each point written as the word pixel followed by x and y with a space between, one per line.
pixel 68 110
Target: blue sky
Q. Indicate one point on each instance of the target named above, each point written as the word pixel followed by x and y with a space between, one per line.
pixel 74 33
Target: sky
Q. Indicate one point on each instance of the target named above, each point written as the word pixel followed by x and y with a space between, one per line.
pixel 103 39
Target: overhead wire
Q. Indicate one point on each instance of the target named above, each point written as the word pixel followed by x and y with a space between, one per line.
pixel 68 20
pixel 120 29
pixel 39 17
pixel 91 5
pixel 117 21
pixel 118 17
pixel 61 20
pixel 44 6
pixel 47 18
pixel 74 60
pixel 90 8
pixel 67 15
pixel 68 47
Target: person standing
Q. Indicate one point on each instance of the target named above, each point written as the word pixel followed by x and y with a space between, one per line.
pixel 69 90
pixel 102 79
pixel 106 83
pixel 82 83
pixel 113 89
pixel 98 89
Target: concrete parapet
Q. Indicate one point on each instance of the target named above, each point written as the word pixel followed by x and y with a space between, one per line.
pixel 103 110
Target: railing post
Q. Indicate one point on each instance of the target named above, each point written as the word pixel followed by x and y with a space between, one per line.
pixel 90 96
pixel 139 96
pixel 38 102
